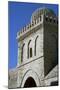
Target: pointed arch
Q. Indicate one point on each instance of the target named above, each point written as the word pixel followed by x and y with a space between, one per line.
pixel 22 52
pixel 30 82
pixel 28 48
pixel 35 45
pixel 30 73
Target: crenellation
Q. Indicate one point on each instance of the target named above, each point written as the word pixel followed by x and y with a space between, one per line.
pixel 18 33
pixel 29 26
pixel 52 20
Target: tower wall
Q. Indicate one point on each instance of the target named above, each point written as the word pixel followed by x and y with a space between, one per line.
pixel 50 44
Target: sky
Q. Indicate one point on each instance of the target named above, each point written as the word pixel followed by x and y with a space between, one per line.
pixel 19 15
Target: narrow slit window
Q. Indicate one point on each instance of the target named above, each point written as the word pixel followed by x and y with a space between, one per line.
pixel 30 52
pixel 22 52
pixel 35 45
pixel 28 49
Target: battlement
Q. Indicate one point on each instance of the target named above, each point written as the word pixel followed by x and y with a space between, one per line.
pixel 36 22
pixel 38 17
pixel 52 20
pixel 30 26
pixel 42 11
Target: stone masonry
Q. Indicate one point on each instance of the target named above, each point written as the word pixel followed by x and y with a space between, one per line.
pixel 37 52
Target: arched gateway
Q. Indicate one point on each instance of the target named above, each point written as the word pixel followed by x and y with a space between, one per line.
pixel 30 79
pixel 30 82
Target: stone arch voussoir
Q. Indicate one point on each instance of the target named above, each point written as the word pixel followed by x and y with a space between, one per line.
pixel 33 74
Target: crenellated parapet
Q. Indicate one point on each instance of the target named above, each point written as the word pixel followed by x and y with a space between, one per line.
pixel 30 26
pixel 52 20
pixel 38 17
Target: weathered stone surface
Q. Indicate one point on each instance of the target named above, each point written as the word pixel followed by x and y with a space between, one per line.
pixel 37 52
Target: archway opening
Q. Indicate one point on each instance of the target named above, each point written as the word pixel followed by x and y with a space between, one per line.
pixel 30 82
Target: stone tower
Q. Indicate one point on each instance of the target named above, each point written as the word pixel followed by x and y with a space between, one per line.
pixel 37 49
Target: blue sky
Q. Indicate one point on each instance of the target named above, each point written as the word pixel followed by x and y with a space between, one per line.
pixel 19 15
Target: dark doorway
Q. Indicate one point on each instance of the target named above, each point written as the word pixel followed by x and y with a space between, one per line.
pixel 30 82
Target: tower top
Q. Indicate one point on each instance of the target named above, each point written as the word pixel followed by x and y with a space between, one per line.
pixel 38 17
pixel 45 11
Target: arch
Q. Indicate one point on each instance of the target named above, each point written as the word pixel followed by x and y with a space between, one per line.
pixel 30 82
pixel 22 52
pixel 28 48
pixel 30 73
pixel 35 45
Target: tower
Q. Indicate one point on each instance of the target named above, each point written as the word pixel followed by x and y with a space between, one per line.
pixel 38 50
pixel 37 44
